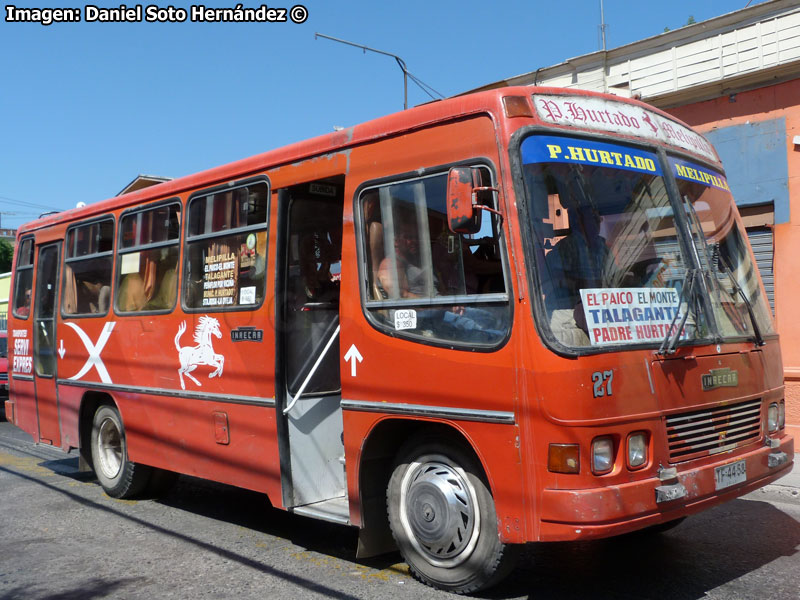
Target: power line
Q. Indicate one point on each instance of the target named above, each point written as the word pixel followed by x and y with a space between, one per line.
pixel 28 204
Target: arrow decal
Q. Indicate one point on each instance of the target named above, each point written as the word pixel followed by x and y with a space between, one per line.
pixel 355 356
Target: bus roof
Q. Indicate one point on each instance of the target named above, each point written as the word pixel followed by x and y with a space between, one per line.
pixel 490 102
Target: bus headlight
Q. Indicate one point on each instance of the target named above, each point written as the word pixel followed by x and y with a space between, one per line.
pixel 602 455
pixel 637 450
pixel 772 417
pixel 781 414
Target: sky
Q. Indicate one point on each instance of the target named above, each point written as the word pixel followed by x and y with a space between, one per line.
pixel 85 107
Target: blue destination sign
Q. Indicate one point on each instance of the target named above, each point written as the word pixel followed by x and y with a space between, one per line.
pixel 691 172
pixel 546 148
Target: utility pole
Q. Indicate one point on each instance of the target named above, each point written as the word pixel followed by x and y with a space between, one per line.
pixel 603 25
pixel 400 62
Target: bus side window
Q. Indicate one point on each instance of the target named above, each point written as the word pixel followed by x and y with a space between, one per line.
pixel 226 249
pixel 424 280
pixel 148 260
pixel 87 276
pixel 23 284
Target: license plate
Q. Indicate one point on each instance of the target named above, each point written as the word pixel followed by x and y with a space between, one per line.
pixel 728 475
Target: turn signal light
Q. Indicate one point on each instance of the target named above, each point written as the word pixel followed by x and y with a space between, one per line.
pixel 564 458
pixel 517 106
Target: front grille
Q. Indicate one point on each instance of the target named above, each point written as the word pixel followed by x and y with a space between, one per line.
pixel 3 376
pixel 711 430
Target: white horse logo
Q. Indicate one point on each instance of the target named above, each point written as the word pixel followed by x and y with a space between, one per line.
pixel 203 353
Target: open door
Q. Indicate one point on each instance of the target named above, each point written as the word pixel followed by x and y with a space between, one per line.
pixel 44 343
pixel 308 383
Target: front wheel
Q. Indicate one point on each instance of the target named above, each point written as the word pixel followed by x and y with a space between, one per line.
pixel 443 518
pixel 119 477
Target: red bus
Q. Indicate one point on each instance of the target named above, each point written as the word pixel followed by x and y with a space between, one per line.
pixel 522 315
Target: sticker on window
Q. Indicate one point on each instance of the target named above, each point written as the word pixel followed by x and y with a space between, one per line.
pixel 405 319
pixel 631 315
pixel 247 295
pixel 130 263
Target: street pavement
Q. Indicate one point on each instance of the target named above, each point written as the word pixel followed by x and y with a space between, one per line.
pixel 63 538
pixel 788 485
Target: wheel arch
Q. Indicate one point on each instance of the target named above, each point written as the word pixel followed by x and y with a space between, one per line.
pixel 378 455
pixel 90 402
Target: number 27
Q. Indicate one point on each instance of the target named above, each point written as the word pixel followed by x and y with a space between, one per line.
pixel 598 379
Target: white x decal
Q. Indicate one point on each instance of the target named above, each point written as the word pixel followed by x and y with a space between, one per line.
pixel 94 359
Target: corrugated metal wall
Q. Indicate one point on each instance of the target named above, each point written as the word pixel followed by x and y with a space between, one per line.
pixel 762 242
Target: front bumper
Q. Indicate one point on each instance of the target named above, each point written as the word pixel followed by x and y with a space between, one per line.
pixel 615 509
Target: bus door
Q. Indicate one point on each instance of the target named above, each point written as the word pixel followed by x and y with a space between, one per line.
pixel 44 343
pixel 308 384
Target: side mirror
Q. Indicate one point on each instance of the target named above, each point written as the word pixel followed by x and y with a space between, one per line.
pixel 462 216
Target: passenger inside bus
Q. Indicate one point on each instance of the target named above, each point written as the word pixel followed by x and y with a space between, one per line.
pixel 166 294
pixel 131 296
pixel 153 285
pixel 99 294
pixel 576 262
pixel 318 253
pixel 25 309
pixel 404 277
pixel 411 254
pixel 372 218
pixel 87 288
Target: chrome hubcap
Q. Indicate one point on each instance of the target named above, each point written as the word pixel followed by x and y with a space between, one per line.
pixel 109 446
pixel 439 511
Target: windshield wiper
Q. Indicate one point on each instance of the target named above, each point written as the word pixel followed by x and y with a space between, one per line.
pixel 671 339
pixel 737 288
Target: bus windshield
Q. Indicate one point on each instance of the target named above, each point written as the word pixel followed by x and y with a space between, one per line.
pixel 611 268
pixel 739 303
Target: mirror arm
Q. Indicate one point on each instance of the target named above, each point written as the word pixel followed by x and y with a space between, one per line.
pixel 475 204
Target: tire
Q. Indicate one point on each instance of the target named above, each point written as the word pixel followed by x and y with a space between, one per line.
pixel 119 477
pixel 443 519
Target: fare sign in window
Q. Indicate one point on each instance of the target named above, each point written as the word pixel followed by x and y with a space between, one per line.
pixel 631 315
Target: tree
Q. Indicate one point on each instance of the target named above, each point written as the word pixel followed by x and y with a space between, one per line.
pixel 6 256
pixel 690 21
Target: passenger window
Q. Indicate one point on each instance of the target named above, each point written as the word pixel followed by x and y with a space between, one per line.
pixel 87 276
pixel 425 281
pixel 147 271
pixel 23 284
pixel 226 249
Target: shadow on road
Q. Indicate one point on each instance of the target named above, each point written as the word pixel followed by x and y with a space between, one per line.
pixel 705 552
pixel 93 588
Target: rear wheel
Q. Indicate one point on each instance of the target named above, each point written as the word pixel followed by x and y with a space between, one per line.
pixel 119 477
pixel 443 518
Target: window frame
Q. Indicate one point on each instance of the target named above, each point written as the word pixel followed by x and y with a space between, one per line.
pixel 362 252
pixel 120 251
pixel 112 253
pixel 24 268
pixel 189 239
